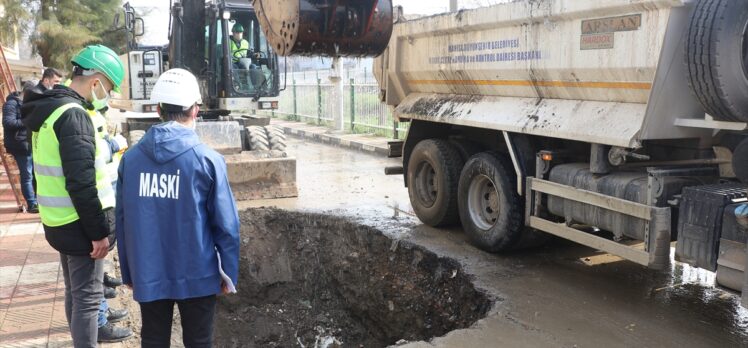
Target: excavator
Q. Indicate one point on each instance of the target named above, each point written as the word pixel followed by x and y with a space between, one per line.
pixel 235 84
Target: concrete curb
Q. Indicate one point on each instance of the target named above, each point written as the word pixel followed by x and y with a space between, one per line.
pixel 337 140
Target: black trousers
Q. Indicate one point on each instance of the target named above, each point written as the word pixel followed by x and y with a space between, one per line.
pixel 196 314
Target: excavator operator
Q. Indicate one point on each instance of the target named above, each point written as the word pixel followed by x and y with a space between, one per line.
pixel 239 46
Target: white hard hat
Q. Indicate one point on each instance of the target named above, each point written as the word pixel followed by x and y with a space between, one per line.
pixel 176 87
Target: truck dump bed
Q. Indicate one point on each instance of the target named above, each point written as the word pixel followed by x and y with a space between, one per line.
pixel 608 71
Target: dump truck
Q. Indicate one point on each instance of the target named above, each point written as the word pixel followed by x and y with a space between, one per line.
pixel 233 90
pixel 616 124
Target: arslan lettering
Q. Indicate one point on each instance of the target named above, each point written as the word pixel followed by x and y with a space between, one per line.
pixel 159 185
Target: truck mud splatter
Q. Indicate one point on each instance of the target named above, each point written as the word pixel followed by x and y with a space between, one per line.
pixel 313 280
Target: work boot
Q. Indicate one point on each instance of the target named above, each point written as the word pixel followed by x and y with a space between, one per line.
pixel 115 315
pixel 110 333
pixel 109 292
pixel 111 282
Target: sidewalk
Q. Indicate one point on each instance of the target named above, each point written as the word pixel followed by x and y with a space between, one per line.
pixel 360 142
pixel 32 291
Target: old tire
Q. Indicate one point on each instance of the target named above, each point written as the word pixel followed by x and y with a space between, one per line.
pixel 717 57
pixel 257 139
pixel 433 175
pixel 135 136
pixel 491 211
pixel 276 138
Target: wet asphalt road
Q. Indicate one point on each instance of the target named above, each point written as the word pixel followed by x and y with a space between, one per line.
pixel 559 295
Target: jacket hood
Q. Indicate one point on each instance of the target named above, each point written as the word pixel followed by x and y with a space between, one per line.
pixel 166 141
pixel 37 107
pixel 15 96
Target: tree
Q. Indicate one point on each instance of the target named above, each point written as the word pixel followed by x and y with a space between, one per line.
pixel 14 19
pixel 66 26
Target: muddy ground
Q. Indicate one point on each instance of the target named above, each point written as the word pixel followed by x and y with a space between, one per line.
pixel 558 295
pixel 311 280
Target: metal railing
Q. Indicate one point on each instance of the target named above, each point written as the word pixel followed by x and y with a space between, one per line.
pixel 363 113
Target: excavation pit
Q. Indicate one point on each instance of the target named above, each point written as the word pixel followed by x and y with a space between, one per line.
pixel 310 280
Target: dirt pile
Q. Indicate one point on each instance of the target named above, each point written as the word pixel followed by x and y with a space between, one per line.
pixel 309 280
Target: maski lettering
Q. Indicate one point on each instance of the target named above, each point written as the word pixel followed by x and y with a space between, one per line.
pixel 159 185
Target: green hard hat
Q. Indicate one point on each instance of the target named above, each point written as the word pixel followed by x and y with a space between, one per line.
pixel 102 59
pixel 237 28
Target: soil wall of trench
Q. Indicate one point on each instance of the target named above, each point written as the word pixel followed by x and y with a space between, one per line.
pixel 312 280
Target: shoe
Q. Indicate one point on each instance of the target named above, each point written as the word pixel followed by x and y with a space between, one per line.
pixel 33 209
pixel 110 333
pixel 115 315
pixel 109 292
pixel 111 281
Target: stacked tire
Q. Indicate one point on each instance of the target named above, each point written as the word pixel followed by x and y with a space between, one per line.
pixel 717 57
pixel 268 138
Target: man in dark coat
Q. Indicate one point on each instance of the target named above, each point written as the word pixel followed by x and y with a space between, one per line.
pixel 15 141
pixel 50 78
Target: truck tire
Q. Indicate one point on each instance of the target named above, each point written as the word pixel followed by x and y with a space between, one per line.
pixel 717 57
pixel 257 139
pixel 491 211
pixel 135 136
pixel 276 138
pixel 465 148
pixel 433 175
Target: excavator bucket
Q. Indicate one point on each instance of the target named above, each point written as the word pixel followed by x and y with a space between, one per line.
pixel 334 28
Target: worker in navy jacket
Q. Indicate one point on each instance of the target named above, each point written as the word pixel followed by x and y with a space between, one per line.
pixel 176 220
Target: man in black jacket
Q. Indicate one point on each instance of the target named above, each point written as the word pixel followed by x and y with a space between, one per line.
pixel 15 134
pixel 74 193
pixel 50 78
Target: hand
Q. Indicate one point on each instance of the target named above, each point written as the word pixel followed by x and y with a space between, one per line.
pixel 224 288
pixel 121 141
pixel 100 248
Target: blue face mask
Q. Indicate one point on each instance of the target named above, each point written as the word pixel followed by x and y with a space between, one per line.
pixel 99 103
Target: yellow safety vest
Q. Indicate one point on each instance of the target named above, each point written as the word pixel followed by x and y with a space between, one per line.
pixel 102 132
pixel 244 47
pixel 55 206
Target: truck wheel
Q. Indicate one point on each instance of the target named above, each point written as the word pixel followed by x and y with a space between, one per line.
pixel 433 174
pixel 465 148
pixel 491 211
pixel 135 136
pixel 257 139
pixel 717 57
pixel 276 138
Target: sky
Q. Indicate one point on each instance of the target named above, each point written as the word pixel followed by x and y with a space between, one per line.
pixel 157 14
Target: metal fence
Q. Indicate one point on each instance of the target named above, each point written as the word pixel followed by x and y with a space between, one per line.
pixel 311 101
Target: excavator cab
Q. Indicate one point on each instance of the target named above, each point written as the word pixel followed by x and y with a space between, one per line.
pixel 240 74
pixel 244 64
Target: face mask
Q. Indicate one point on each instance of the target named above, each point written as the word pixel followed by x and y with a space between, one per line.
pixel 97 103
